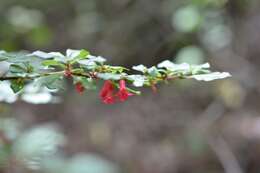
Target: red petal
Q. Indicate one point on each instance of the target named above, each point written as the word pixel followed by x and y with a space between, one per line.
pixel 107 88
pixel 123 95
pixel 108 100
pixel 122 84
pixel 79 87
pixel 106 93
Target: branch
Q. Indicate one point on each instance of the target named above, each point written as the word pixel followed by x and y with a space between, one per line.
pixel 85 69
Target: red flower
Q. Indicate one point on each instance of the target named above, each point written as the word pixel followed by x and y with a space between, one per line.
pixel 79 87
pixel 106 93
pixel 123 93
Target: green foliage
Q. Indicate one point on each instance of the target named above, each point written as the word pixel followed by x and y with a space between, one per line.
pixel 48 70
pixel 17 85
pixel 52 82
pixel 52 63
pixel 88 83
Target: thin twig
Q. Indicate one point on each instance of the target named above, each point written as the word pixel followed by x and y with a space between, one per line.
pixel 226 157
pixel 224 154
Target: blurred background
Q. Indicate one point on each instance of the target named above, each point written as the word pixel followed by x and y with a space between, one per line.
pixel 188 126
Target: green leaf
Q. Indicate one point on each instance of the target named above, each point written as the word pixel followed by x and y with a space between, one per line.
pixel 166 64
pixel 138 80
pixel 29 67
pixel 115 69
pixel 174 67
pixel 211 76
pixel 78 70
pixel 52 63
pixel 17 85
pixel 44 55
pixel 98 59
pixel 153 71
pixel 140 68
pixel 83 53
pixel 184 67
pixel 15 68
pixel 28 63
pixel 17 57
pixel 71 53
pixel 21 68
pixel 92 61
pixel 109 76
pixel 52 82
pixel 2 56
pixel 88 83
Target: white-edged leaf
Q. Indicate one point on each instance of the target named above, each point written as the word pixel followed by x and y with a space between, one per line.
pixel 181 67
pixel 205 65
pixel 2 57
pixel 140 68
pixel 166 64
pixel 211 76
pixel 52 82
pixel 109 76
pixel 153 71
pixel 92 60
pixel 57 54
pixel 41 54
pixel 138 80
pixel 72 53
pixel 99 59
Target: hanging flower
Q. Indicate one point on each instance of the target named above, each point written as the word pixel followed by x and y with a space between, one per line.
pixel 79 87
pixel 109 99
pixel 123 93
pixel 107 93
